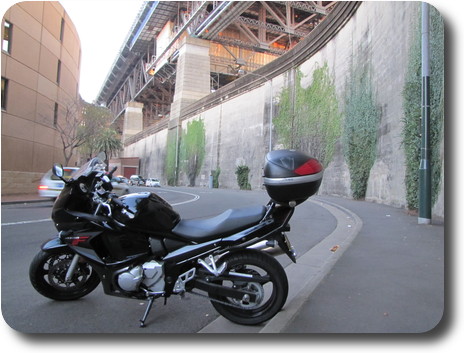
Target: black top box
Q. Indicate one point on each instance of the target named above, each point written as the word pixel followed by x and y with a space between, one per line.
pixel 291 177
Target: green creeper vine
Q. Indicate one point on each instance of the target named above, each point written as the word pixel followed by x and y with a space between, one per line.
pixel 412 108
pixel 170 165
pixel 360 128
pixel 308 119
pixel 192 149
pixel 215 173
pixel 242 173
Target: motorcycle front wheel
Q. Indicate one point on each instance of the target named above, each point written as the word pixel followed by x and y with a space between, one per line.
pixel 47 274
pixel 270 288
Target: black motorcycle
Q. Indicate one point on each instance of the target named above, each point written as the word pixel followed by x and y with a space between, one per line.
pixel 140 248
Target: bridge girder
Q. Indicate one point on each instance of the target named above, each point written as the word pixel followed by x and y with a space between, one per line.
pixel 145 69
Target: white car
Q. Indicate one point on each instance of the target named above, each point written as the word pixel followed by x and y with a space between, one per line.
pixel 152 182
pixel 136 180
pixel 51 186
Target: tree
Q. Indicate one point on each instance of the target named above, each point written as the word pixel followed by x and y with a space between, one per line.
pixel 96 120
pixel 108 141
pixel 71 127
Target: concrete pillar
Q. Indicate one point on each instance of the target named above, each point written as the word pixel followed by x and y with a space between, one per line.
pixel 133 119
pixel 192 76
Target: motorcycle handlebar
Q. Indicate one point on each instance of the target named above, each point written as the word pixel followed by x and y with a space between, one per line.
pixel 115 200
pixel 110 174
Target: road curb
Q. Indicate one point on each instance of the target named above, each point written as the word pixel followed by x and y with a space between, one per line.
pixel 314 265
pixel 305 275
pixel 14 202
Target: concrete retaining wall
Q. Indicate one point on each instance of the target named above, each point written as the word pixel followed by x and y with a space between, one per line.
pixel 152 153
pixel 237 126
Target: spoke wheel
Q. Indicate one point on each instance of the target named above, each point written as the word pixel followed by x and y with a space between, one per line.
pixel 270 288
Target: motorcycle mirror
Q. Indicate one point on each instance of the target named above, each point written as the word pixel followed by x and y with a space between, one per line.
pixel 58 170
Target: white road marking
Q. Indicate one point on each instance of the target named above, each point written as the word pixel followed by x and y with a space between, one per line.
pixel 26 222
pixel 195 197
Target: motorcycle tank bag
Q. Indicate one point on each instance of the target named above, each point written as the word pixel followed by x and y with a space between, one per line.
pixel 147 212
pixel 291 176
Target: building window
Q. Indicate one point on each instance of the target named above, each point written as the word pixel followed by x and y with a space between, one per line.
pixel 58 72
pixel 4 92
pixel 6 43
pixel 62 30
pixel 55 115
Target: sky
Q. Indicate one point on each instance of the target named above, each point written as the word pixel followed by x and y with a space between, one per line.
pixel 102 26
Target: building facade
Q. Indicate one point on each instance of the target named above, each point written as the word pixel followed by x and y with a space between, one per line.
pixel 40 90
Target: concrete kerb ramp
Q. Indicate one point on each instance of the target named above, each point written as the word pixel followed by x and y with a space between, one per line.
pixel 306 274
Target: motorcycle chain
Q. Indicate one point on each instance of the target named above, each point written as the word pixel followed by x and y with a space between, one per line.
pixel 216 300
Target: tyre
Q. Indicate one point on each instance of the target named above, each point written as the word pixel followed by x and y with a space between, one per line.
pixel 47 274
pixel 270 288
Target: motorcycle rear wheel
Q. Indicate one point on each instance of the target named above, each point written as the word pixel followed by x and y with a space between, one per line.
pixel 270 296
pixel 47 275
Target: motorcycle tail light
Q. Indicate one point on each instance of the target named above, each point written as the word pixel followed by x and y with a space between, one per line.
pixel 310 167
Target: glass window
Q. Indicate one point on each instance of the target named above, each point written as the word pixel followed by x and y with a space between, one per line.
pixel 55 115
pixel 4 92
pixel 62 30
pixel 58 72
pixel 6 43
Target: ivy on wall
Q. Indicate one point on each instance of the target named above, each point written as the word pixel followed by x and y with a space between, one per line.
pixel 242 173
pixel 360 126
pixel 170 166
pixel 215 174
pixel 412 108
pixel 190 153
pixel 192 149
pixel 308 119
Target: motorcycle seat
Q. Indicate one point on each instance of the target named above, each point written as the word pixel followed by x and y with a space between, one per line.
pixel 226 223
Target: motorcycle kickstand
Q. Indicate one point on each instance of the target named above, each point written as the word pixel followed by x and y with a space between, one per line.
pixel 147 311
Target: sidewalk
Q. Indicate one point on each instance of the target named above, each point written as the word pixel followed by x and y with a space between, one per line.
pixel 390 280
pixel 377 272
pixel 22 198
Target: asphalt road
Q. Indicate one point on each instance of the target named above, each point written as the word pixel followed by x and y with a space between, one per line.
pixel 26 226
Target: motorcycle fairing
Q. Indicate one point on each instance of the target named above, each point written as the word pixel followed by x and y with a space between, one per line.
pixel 53 244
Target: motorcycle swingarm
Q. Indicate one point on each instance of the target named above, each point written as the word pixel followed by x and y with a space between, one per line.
pixel 219 290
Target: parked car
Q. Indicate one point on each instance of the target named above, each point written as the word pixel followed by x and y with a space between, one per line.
pixel 123 178
pixel 51 186
pixel 120 187
pixel 152 182
pixel 136 180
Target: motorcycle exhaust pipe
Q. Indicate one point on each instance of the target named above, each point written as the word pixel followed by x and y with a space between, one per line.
pixel 269 246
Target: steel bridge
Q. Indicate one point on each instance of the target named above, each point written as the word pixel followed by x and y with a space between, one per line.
pixel 243 35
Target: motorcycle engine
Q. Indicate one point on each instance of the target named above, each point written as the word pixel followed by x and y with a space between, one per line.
pixel 150 274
